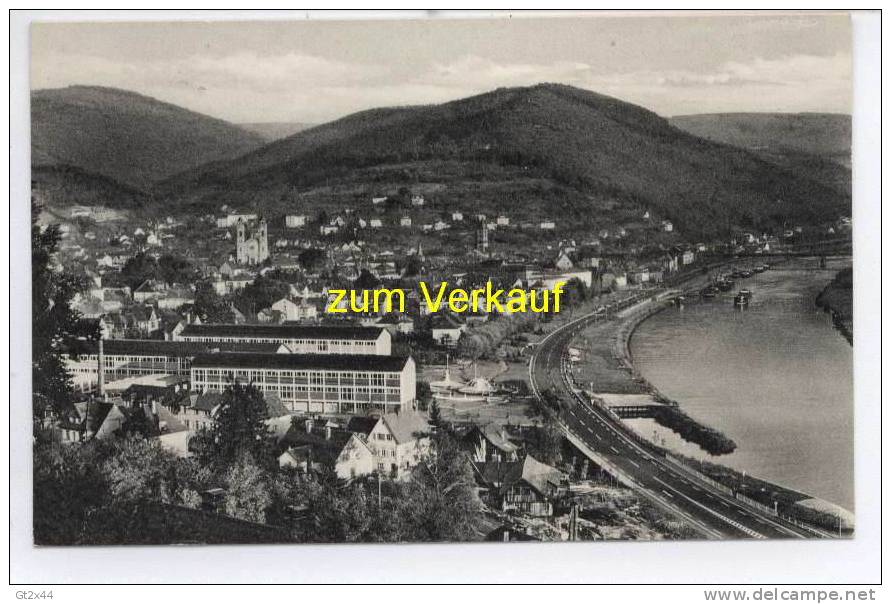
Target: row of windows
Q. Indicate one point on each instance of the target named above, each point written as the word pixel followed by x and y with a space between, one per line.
pixel 312 377
pixel 320 345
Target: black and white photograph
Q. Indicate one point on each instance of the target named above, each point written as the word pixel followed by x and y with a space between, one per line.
pixel 583 277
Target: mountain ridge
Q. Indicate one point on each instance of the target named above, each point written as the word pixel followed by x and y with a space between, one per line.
pixel 126 136
pixel 600 146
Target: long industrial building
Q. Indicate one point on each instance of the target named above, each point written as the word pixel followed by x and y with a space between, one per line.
pixel 300 339
pixel 314 383
pixel 129 358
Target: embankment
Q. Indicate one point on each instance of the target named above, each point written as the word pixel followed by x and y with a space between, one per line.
pixel 837 299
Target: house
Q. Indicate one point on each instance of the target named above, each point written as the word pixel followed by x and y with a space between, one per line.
pixel 375 223
pixel 378 200
pixel 328 229
pixel 295 310
pixel 417 201
pixel 563 262
pixel 174 297
pixel 295 221
pixel 502 221
pixel 439 225
pixel 147 291
pixel 317 447
pixel 457 217
pixel 396 323
pixel 405 221
pixel 399 441
pixel 688 257
pixel 547 225
pixel 489 443
pixel 446 330
pixel 526 487
pixel 99 420
pixel 667 226
pixel 145 319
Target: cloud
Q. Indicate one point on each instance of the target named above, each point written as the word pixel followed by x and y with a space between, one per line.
pixel 246 86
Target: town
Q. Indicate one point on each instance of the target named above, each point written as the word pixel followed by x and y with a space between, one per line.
pixel 171 326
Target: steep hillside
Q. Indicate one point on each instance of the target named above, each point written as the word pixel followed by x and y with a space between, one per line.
pixel 596 151
pixel 815 144
pixel 273 131
pixel 126 137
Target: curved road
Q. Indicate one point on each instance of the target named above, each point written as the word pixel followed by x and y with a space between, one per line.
pixel 610 444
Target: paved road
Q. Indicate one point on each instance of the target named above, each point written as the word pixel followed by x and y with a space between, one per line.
pixel 704 506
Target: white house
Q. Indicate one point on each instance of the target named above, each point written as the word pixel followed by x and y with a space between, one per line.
pixel 667 226
pixel 502 221
pixel 293 310
pixel 563 262
pixel 375 223
pixel 457 217
pixel 399 442
pixel 446 330
pixel 295 221
pixel 417 201
pixel 405 221
pixel 547 225
pixel 688 257
pixel 378 200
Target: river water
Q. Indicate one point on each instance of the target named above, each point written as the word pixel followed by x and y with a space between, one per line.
pixel 776 377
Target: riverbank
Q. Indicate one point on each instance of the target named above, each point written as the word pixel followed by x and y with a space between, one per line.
pixel 837 298
pixel 767 493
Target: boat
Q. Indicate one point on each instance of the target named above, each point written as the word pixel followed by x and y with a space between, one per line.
pixel 708 292
pixel 745 292
pixel 724 285
pixel 740 300
pixel 745 274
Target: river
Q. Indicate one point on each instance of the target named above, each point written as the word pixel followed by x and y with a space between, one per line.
pixel 776 377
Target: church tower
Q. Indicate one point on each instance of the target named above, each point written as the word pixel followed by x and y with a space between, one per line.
pixel 263 241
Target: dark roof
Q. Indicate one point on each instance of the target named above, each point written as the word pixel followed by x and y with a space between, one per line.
pixel 165 347
pixel 284 331
pixel 362 425
pixel 356 362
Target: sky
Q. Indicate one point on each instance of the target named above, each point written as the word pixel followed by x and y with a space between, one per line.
pixel 313 71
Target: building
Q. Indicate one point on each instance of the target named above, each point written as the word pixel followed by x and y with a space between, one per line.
pixel 667 226
pixel 300 339
pixel 295 221
pixel 418 201
pixel 399 441
pixel 315 446
pixel 526 487
pixel 446 330
pixel 253 248
pixel 489 443
pixel 502 221
pixel 405 221
pixel 129 358
pixel 230 220
pixel 295 310
pixel 547 225
pixel 314 383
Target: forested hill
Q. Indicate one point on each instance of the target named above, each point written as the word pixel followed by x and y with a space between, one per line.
pixel 599 151
pixel 128 138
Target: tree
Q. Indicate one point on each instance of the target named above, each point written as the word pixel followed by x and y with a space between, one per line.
pixel 440 501
pixel 366 281
pixel 248 495
pixel 140 470
pixel 239 428
pixel 53 321
pixel 210 306
pixel 311 259
pixel 435 414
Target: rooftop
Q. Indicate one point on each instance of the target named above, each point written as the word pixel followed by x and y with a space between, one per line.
pixel 354 362
pixel 320 332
